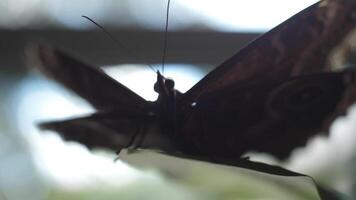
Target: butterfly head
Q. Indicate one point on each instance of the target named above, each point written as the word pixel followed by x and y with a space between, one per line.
pixel 164 86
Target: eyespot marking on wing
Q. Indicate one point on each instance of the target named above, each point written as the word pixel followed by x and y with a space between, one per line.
pixel 305 95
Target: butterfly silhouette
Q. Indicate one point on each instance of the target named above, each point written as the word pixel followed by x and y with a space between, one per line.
pixel 271 96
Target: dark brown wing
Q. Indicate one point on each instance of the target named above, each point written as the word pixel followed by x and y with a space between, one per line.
pixel 110 130
pixel 298 46
pixel 273 116
pixel 91 83
pixel 114 130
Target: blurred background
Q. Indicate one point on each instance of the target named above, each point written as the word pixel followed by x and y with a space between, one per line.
pixel 202 34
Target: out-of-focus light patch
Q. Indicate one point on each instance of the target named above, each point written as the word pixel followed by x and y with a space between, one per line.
pixel 38 100
pixel 71 165
pixel 141 79
pixel 242 15
pixel 329 155
pixel 20 7
pixel 148 13
pixel 223 15
pixel 69 13
pixel 16 13
pixel 184 76
pixel 151 14
pixel 136 77
pixel 18 177
pixel 67 164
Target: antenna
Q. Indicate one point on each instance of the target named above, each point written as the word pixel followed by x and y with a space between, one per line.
pixel 117 41
pixel 165 40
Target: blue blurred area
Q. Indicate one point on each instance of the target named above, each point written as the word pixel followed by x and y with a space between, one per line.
pixel 224 15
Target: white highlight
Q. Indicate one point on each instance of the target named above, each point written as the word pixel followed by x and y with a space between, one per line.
pixel 140 78
pixel 242 15
pixel 68 164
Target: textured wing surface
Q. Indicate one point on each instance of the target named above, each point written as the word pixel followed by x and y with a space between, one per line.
pixel 268 116
pixel 298 46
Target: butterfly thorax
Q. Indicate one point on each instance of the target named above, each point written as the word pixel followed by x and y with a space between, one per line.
pixel 166 102
pixel 159 135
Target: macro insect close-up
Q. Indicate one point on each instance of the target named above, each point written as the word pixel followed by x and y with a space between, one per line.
pixel 272 97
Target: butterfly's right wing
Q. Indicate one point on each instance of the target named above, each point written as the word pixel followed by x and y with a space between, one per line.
pixel 89 82
pixel 273 117
pixel 299 46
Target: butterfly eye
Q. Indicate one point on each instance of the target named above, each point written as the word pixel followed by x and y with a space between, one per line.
pixel 169 84
pixel 297 96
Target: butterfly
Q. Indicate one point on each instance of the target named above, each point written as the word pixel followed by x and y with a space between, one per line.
pixel 271 96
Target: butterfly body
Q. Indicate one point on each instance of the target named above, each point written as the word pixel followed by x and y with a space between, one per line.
pixel 272 96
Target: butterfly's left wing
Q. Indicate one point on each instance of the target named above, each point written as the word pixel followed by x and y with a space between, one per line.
pixel 120 117
pixel 112 130
pixel 298 46
pixel 89 82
